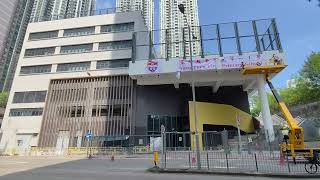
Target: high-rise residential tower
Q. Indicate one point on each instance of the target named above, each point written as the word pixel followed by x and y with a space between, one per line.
pixel 44 10
pixel 146 6
pixel 174 21
pixel 14 18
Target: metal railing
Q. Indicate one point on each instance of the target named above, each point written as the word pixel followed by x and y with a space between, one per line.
pixel 220 152
pixel 226 140
pixel 214 39
pixel 275 163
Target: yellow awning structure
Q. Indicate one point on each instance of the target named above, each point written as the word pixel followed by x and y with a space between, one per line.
pixel 218 114
pixel 262 69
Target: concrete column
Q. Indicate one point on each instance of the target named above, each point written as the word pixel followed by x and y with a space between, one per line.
pixel 95 47
pixel 60 33
pixel 266 115
pixel 97 30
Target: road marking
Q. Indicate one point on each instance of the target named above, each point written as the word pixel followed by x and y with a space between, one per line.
pixel 215 167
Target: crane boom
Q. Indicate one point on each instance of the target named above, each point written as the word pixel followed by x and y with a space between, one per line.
pixel 296 135
pixel 296 143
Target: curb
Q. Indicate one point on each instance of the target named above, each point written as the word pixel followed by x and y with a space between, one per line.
pixel 204 172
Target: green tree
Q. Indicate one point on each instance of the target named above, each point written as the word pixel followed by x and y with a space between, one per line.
pixel 256 105
pixel 311 71
pixel 307 88
pixel 3 99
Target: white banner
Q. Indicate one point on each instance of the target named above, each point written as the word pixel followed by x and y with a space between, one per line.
pixel 198 64
pixel 215 62
pixel 238 61
pixel 249 59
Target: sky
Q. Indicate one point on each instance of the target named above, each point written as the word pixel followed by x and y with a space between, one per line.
pixel 298 24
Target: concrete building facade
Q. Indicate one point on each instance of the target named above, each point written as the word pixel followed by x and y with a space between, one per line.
pixel 15 16
pixel 72 77
pixel 98 75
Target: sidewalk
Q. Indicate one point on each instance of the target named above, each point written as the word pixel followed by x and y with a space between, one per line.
pixel 219 172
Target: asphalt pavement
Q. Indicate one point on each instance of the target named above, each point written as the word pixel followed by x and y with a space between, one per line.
pixel 16 168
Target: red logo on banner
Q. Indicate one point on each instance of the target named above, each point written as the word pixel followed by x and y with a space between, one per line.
pixel 152 65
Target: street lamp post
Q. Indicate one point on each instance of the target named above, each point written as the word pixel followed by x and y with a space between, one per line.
pixel 89 132
pixel 182 10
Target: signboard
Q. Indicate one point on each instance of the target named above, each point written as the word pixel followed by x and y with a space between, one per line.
pixel 163 129
pixel 140 141
pixel 89 136
pixel 200 64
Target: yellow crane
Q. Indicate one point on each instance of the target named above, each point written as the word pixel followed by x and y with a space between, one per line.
pixel 295 146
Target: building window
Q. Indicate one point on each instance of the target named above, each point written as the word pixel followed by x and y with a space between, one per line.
pixel 76 48
pixel 79 31
pixel 77 111
pixel 119 63
pixel 100 111
pixel 169 122
pixel 115 45
pixel 35 69
pixel 29 97
pixel 20 142
pixel 82 66
pixel 26 112
pixel 105 110
pixel 124 27
pixel 39 51
pixel 43 35
pixel 116 110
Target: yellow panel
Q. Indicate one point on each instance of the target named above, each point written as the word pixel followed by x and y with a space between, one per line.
pixel 262 69
pixel 218 114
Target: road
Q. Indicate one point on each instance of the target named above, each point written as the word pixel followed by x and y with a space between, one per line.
pixel 40 168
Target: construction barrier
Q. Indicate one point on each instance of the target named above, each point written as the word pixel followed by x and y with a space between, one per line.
pixel 74 151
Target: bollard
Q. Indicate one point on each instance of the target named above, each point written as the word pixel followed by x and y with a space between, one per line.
pixel 189 160
pixel 165 160
pixel 255 159
pixel 281 158
pixel 112 155
pixel 227 162
pixel 288 163
pixel 155 158
pixel 208 161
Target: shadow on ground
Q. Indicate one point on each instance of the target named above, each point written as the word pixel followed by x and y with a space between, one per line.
pixel 83 169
